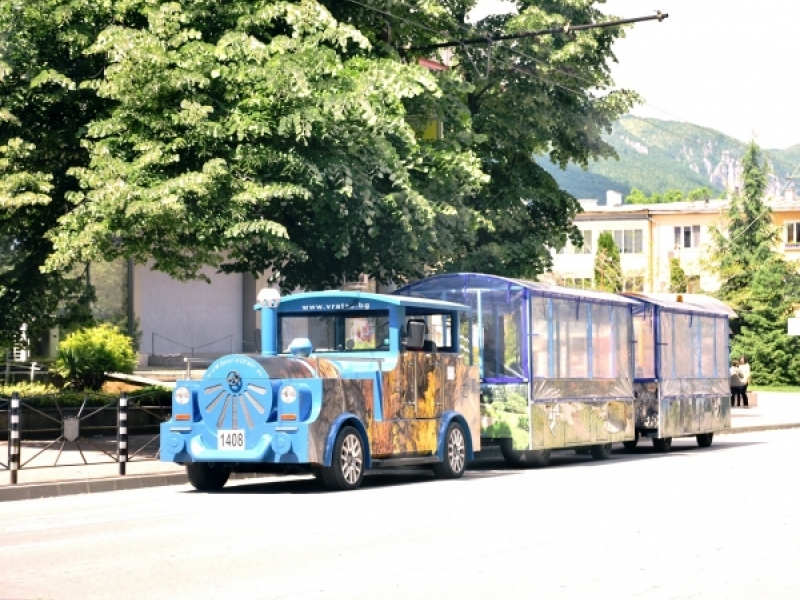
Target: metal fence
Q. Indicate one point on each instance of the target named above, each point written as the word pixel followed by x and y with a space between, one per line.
pixel 56 431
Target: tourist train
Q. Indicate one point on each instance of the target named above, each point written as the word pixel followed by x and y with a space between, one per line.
pixel 444 368
pixel 564 368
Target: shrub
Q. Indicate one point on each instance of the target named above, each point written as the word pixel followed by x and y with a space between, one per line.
pixel 85 356
pixel 25 389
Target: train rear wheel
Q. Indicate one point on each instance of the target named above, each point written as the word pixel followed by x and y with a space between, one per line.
pixel 631 444
pixel 704 439
pixel 601 451
pixel 662 444
pixel 535 459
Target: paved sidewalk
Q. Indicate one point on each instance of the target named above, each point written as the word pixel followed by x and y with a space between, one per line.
pixel 50 474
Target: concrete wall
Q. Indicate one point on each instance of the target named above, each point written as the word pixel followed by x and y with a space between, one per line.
pixel 177 316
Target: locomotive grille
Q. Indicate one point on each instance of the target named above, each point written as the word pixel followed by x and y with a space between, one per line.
pixel 250 405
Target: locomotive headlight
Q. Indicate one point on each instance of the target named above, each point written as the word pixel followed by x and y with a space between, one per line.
pixel 183 395
pixel 288 394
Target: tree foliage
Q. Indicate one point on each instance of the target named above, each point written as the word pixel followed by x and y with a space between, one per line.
pixel 637 196
pixel 677 277
pixel 607 265
pixel 251 135
pixel 43 116
pixel 530 97
pixel 757 282
pixel 263 135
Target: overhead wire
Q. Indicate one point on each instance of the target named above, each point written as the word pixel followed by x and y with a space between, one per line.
pixel 575 76
pixel 508 64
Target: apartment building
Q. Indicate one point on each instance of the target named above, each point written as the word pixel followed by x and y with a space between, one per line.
pixel 649 236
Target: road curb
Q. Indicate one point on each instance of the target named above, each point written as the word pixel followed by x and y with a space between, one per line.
pixel 753 428
pixel 32 491
pixel 52 489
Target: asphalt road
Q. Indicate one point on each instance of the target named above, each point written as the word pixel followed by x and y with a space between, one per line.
pixel 716 523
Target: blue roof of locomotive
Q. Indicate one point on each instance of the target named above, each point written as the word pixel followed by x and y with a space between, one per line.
pixel 412 304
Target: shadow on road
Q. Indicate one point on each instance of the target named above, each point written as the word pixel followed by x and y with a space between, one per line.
pixel 373 480
pixel 493 461
pixel 489 465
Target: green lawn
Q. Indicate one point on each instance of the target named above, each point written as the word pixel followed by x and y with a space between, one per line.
pixel 775 388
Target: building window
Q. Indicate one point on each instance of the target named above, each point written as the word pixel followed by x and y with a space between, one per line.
pixel 629 241
pixel 583 283
pixel 587 241
pixel 687 236
pixel 793 233
pixel 585 249
pixel 633 284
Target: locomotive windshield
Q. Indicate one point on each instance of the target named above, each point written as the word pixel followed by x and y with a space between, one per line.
pixel 355 331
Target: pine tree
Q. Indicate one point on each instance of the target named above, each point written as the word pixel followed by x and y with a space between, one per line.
pixel 757 282
pixel 607 268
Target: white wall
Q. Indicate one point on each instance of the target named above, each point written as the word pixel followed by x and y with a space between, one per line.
pixel 191 313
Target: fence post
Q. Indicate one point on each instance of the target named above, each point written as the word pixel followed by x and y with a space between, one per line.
pixel 13 437
pixel 122 432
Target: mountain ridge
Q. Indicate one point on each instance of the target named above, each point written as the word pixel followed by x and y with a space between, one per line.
pixel 656 156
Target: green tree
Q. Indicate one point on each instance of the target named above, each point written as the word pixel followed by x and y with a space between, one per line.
pixel 636 196
pixel 677 277
pixel 259 135
pixel 607 268
pixel 701 193
pixel 529 97
pixel 43 114
pixel 756 281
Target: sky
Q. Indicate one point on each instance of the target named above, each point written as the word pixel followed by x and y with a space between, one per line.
pixel 729 66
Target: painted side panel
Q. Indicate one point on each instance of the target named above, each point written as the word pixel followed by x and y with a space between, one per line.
pixel 553 423
pixel 356 396
pixel 389 438
pixel 690 412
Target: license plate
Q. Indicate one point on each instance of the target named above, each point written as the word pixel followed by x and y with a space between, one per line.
pixel 230 439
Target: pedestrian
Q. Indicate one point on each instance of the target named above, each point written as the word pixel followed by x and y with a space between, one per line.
pixel 736 384
pixel 744 375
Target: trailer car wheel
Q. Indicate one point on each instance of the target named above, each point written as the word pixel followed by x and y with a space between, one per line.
pixel 524 458
pixel 704 439
pixel 347 461
pixel 207 477
pixel 631 444
pixel 601 451
pixel 662 444
pixel 455 454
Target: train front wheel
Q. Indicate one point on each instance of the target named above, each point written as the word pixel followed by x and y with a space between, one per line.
pixel 347 461
pixel 455 454
pixel 207 477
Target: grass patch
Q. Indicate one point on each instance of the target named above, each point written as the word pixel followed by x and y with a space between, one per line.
pixel 774 388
